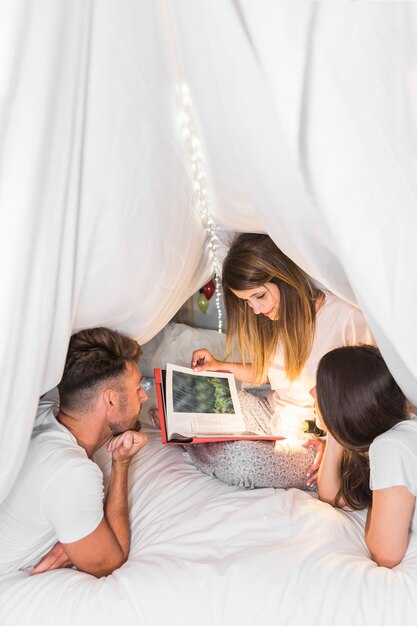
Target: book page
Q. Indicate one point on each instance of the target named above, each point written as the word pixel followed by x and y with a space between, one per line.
pixel 202 404
pixel 211 426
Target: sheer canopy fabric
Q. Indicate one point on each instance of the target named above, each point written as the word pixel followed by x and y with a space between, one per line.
pixel 305 117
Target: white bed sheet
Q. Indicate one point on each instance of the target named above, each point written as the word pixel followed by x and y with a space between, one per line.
pixel 208 553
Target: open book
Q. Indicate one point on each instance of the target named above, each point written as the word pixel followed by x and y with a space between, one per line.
pixel 198 407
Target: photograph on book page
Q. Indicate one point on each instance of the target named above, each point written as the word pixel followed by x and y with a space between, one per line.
pixel 202 403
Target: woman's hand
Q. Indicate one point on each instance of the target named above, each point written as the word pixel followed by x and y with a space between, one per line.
pixel 319 446
pixel 330 472
pixel 203 360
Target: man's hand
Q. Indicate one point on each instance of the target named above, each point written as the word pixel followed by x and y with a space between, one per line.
pixel 319 446
pixel 124 447
pixel 107 547
pixel 54 559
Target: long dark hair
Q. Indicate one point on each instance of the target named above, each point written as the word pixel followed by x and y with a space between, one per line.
pixel 358 399
pixel 252 261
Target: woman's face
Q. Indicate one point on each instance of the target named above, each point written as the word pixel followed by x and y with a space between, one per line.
pixel 264 299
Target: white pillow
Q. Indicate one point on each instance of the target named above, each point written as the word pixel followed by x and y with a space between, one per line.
pixel 176 343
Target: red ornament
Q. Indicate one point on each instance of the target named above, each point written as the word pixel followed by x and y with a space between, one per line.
pixel 209 289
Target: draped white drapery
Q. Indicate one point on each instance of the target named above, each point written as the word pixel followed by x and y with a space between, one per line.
pixel 306 118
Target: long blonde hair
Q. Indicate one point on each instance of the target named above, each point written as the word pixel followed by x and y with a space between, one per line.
pixel 254 260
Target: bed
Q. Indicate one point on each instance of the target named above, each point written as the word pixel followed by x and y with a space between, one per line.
pixel 206 552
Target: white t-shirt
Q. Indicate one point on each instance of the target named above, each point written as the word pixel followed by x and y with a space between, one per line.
pixel 393 460
pixel 338 324
pixel 58 495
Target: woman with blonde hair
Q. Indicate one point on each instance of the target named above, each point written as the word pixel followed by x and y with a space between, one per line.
pixel 282 324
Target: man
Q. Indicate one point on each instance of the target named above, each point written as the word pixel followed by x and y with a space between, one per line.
pixel 55 511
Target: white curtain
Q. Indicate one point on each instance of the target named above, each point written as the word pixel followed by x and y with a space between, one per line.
pixel 305 114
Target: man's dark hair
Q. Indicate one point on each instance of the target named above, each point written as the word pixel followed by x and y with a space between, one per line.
pixel 96 357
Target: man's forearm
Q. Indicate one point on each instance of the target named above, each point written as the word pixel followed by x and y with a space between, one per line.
pixel 116 509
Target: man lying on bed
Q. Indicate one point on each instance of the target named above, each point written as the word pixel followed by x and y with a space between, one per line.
pixel 55 515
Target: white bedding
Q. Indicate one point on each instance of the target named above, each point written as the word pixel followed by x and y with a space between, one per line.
pixel 207 553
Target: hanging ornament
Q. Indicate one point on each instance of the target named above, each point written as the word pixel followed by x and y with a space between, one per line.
pixel 209 289
pixel 202 302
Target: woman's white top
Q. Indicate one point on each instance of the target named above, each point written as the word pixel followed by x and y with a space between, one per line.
pixel 338 323
pixel 393 460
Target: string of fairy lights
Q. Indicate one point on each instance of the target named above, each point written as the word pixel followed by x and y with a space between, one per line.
pixel 201 201
pixel 201 198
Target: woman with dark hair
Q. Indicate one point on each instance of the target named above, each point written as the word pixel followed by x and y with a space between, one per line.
pixel 282 324
pixel 370 460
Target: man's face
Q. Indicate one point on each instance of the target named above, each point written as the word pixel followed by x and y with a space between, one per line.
pixel 130 398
